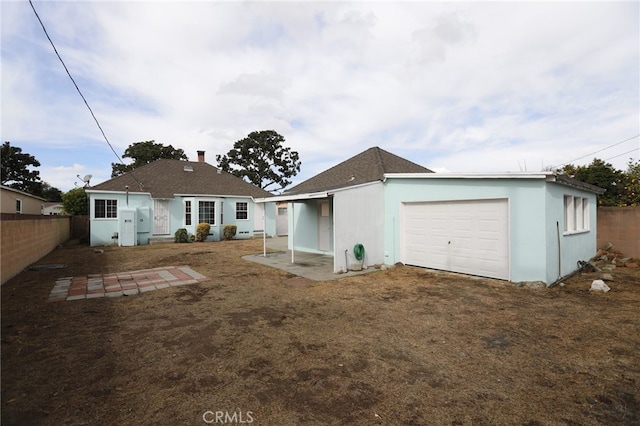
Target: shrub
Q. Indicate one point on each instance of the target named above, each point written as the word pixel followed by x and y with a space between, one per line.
pixel 229 231
pixel 181 236
pixel 202 231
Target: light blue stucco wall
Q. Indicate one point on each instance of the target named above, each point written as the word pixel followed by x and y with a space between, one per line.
pixel 102 230
pixel 303 225
pixel 534 208
pixel 573 247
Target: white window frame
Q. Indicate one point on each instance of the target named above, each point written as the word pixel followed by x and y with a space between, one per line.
pixel 19 205
pixel 107 210
pixel 576 214
pixel 214 211
pixel 188 213
pixel 245 211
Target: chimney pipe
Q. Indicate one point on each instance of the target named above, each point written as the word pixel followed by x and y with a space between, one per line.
pixel 200 156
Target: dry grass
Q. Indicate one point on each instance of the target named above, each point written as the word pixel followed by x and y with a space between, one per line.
pixel 403 346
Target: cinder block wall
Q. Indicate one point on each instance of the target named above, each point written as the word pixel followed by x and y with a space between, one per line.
pixel 620 226
pixel 28 239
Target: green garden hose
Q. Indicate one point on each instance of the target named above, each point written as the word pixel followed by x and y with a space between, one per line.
pixel 358 251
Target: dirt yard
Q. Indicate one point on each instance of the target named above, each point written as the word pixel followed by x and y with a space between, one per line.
pixel 406 346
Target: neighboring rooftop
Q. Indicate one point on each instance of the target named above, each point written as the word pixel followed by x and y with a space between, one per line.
pixel 166 178
pixel 368 166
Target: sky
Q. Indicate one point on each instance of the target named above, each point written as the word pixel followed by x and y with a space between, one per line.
pixel 453 86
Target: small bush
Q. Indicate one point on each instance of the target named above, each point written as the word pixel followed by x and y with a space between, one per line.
pixel 202 231
pixel 181 236
pixel 229 231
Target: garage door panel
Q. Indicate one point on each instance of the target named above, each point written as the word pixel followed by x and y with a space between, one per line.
pixel 460 236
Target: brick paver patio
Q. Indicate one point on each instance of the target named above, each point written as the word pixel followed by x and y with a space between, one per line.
pixel 123 283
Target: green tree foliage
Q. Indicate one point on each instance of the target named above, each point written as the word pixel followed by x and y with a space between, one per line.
pixel 76 202
pixel 144 153
pixel 261 159
pixel 50 193
pixel 621 188
pixel 17 170
pixel 632 185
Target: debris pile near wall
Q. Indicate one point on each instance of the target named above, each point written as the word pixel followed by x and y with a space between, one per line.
pixel 607 258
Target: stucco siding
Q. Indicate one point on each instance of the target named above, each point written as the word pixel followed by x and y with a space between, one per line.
pixel 103 229
pixel 303 225
pixel 536 210
pixel 359 218
pixel 526 217
pixel 573 246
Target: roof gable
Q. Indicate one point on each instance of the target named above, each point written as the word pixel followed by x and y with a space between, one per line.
pixel 165 178
pixel 368 166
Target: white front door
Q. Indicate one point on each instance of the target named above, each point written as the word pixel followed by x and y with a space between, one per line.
pixel 160 217
pixel 324 226
pixel 282 221
pixel 470 236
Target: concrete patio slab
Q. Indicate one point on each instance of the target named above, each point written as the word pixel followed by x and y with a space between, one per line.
pixel 317 267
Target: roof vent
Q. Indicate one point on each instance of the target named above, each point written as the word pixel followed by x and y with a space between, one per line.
pixel 219 171
pixel 188 168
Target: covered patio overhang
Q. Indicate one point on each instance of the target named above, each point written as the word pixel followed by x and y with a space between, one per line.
pixel 291 199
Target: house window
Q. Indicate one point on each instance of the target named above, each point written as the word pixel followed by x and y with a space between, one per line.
pixel 187 213
pixel 106 209
pixel 282 211
pixel 576 214
pixel 18 206
pixel 242 211
pixel 207 212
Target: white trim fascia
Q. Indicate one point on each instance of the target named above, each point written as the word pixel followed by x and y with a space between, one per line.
pixel 102 191
pixel 346 188
pixel 313 195
pixel 303 196
pixel 518 175
pixel 216 196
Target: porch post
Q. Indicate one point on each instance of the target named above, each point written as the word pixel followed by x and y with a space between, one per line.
pixel 264 230
pixel 293 232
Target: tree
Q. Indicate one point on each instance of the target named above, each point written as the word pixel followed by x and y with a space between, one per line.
pixel 604 175
pixel 15 170
pixel 144 153
pixel 76 202
pixel 262 160
pixel 632 184
pixel 50 193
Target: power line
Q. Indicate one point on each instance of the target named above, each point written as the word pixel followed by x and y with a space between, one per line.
pixel 595 152
pixel 80 92
pixel 620 155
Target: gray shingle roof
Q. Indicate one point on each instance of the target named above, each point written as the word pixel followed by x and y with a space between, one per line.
pixel 165 178
pixel 368 166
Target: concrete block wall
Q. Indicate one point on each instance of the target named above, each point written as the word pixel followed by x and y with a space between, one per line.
pixel 620 226
pixel 28 239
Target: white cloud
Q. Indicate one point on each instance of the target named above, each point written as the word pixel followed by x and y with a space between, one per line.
pixel 457 86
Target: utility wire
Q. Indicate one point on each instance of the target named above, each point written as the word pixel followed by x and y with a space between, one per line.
pixel 620 155
pixel 595 152
pixel 80 92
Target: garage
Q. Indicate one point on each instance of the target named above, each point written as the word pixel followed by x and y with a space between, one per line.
pixel 469 236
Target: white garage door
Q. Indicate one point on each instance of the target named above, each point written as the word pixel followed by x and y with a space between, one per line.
pixel 471 236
